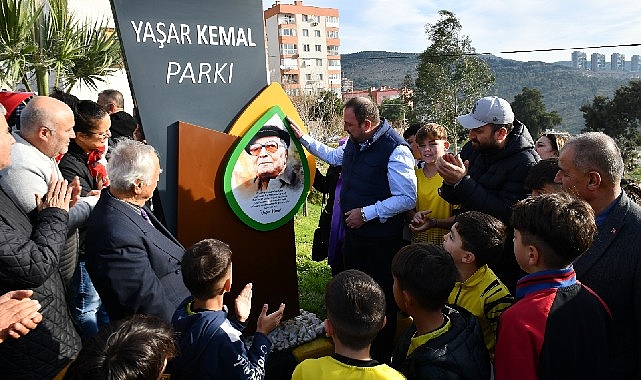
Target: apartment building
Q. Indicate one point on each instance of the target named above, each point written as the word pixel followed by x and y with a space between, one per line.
pixel 617 62
pixel 303 47
pixel 635 63
pixel 597 62
pixel 579 60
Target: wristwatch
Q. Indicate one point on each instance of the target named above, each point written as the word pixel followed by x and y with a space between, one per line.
pixel 363 215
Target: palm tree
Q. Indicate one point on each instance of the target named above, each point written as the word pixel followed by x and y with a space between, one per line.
pixel 39 38
pixel 18 19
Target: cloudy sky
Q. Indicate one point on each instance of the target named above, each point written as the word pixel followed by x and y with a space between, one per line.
pixel 493 26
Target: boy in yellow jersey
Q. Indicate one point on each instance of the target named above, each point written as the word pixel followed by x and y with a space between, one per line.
pixel 355 314
pixel 432 216
pixel 475 240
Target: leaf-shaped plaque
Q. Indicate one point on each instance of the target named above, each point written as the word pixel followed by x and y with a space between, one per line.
pixel 267 176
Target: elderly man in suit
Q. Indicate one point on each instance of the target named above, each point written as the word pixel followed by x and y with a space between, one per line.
pixel 591 167
pixel 132 259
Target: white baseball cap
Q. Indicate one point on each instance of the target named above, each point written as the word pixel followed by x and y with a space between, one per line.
pixel 488 110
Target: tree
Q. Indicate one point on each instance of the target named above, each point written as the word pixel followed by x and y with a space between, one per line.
pixel 322 113
pixel 39 38
pixel 395 111
pixel 619 118
pixel 529 109
pixel 407 94
pixel 450 77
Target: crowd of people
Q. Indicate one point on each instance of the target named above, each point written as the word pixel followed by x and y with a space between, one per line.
pixel 514 259
pixel 534 275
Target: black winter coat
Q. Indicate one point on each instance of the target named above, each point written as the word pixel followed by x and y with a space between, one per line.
pixel 30 258
pixel 74 163
pixel 495 179
pixel 457 354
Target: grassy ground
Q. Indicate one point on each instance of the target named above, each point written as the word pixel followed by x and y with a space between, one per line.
pixel 312 276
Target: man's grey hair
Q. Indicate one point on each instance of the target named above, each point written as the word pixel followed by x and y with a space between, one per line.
pixel 113 96
pixel 599 152
pixel 130 161
pixel 3 110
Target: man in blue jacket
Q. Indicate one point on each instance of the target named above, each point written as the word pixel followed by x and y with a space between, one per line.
pixel 379 185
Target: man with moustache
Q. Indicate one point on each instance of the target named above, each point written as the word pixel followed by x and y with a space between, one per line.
pixel 489 174
pixel 269 151
pixel 378 186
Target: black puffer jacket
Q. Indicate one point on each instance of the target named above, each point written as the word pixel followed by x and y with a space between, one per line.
pixel 494 180
pixel 30 259
pixel 458 354
pixel 74 163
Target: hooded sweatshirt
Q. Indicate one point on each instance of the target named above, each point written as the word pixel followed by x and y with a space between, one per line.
pixel 211 348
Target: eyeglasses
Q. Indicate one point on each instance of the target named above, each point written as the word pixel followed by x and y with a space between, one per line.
pixel 102 135
pixel 270 147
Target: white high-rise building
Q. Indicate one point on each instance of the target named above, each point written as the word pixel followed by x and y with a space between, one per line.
pixel 579 60
pixel 597 62
pixel 303 47
pixel 617 62
pixel 635 63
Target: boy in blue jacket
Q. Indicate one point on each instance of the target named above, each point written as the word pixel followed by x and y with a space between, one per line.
pixel 209 339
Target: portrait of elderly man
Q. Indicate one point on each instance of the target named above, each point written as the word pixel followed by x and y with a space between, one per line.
pixel 269 149
pixel 132 259
pixel 267 178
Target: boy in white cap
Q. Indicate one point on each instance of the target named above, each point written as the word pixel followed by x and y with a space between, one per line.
pixel 489 174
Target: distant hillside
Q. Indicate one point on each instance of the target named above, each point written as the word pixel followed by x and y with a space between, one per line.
pixel 564 89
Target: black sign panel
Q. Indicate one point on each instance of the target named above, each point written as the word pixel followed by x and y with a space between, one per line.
pixel 196 61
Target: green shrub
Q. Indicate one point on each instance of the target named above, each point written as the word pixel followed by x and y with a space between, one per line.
pixel 312 276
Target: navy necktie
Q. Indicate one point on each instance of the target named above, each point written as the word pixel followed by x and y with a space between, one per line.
pixel 144 215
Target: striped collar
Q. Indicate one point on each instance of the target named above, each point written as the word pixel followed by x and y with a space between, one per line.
pixel 547 279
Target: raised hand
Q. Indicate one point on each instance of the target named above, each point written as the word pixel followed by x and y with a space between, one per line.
pixel 243 303
pixel 267 322
pixel 451 168
pixel 75 188
pixel 295 128
pixel 59 195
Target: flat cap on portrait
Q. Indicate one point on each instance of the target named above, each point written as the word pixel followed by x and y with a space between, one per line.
pixel 270 130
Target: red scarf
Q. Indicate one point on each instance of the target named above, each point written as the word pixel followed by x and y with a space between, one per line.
pixel 96 168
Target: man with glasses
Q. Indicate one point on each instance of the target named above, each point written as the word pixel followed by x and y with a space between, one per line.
pixel 122 123
pixel 269 151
